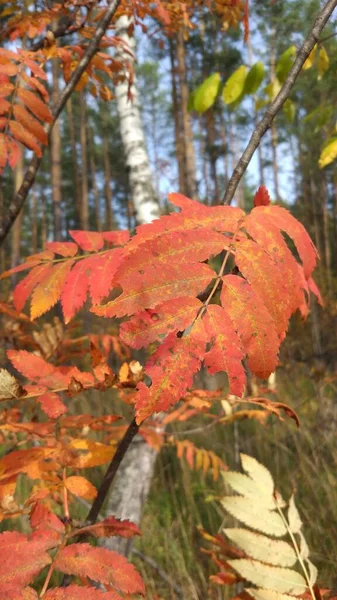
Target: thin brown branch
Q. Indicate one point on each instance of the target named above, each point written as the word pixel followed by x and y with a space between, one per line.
pixel 280 99
pixel 112 469
pixel 21 195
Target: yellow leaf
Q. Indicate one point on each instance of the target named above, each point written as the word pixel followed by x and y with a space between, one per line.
pixel 9 386
pixel 235 85
pixel 81 487
pixel 311 58
pixel 328 154
pixel 48 291
pixel 323 62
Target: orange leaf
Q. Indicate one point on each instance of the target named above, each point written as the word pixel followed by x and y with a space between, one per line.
pixel 49 289
pixel 171 369
pixel 226 352
pixel 25 137
pixel 26 285
pixel 75 290
pixel 30 124
pixel 110 527
pixel 66 249
pixel 80 486
pixel 149 326
pixel 262 197
pixel 118 238
pixel 254 324
pixel 102 565
pixel 20 559
pixel 52 405
pixel 35 104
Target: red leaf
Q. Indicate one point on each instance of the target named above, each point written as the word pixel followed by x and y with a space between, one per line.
pixel 226 352
pixel 281 218
pixel 41 518
pixel 171 369
pixel 112 526
pixel 254 324
pixel 314 289
pixel 103 269
pixel 149 326
pixel 13 592
pixel 148 289
pixel 268 282
pixel 52 405
pixel 90 241
pixel 21 559
pixel 162 13
pixel 37 369
pixel 118 238
pixel 66 249
pixel 262 197
pixel 75 290
pixel 102 565
pixel 76 592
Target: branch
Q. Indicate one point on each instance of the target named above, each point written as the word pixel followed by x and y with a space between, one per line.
pixel 280 99
pixel 21 195
pixel 112 469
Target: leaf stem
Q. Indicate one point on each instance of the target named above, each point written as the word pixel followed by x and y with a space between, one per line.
pixel 297 551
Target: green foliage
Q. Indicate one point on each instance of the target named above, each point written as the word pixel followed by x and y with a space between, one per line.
pixel 205 95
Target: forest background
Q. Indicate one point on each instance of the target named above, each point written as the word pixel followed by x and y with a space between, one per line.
pixel 85 182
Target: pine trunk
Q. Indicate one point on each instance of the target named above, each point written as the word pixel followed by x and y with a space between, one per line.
pixel 84 214
pixel 55 159
pixel 74 158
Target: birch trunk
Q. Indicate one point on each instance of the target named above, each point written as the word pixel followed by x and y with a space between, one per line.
pixel 136 157
pixel 131 486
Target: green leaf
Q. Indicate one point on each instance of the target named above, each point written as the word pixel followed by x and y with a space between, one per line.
pixel 261 547
pixel 289 110
pixel 255 516
pixel 254 78
pixel 276 578
pixel 190 101
pixel 328 154
pixel 234 86
pixel 285 63
pixel 206 93
pixel 272 89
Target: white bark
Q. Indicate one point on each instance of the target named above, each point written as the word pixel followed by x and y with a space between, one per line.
pixel 131 485
pixel 137 161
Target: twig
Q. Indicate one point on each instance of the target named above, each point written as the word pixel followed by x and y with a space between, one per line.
pixel 110 474
pixel 280 99
pixel 148 560
pixel 21 195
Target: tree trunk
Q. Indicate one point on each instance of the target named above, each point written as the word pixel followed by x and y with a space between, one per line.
pixel 134 476
pixel 179 143
pixel 55 159
pixel 34 221
pixel 107 176
pixel 74 159
pixel 137 161
pixel 92 167
pixel 16 233
pixel 188 158
pixel 84 214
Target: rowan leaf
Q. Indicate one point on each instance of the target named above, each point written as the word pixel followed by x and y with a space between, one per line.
pixel 49 289
pixel 266 280
pixel 259 474
pixel 66 249
pixel 263 594
pixel 112 526
pixel 254 516
pixel 226 352
pixel 235 85
pixel 151 325
pixel 277 578
pixel 52 405
pixel 9 387
pixel 101 565
pixel 103 269
pixel 76 592
pixel 281 218
pixel 35 104
pixel 171 369
pixel 254 78
pixel 75 289
pixel 14 592
pixel 261 197
pixel 117 238
pixel 148 289
pixel 90 241
pixel 35 368
pixel 25 287
pixel 80 486
pixel 30 124
pixel 205 95
pixel 261 547
pixel 255 325
pixel 25 137
pixel 21 559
